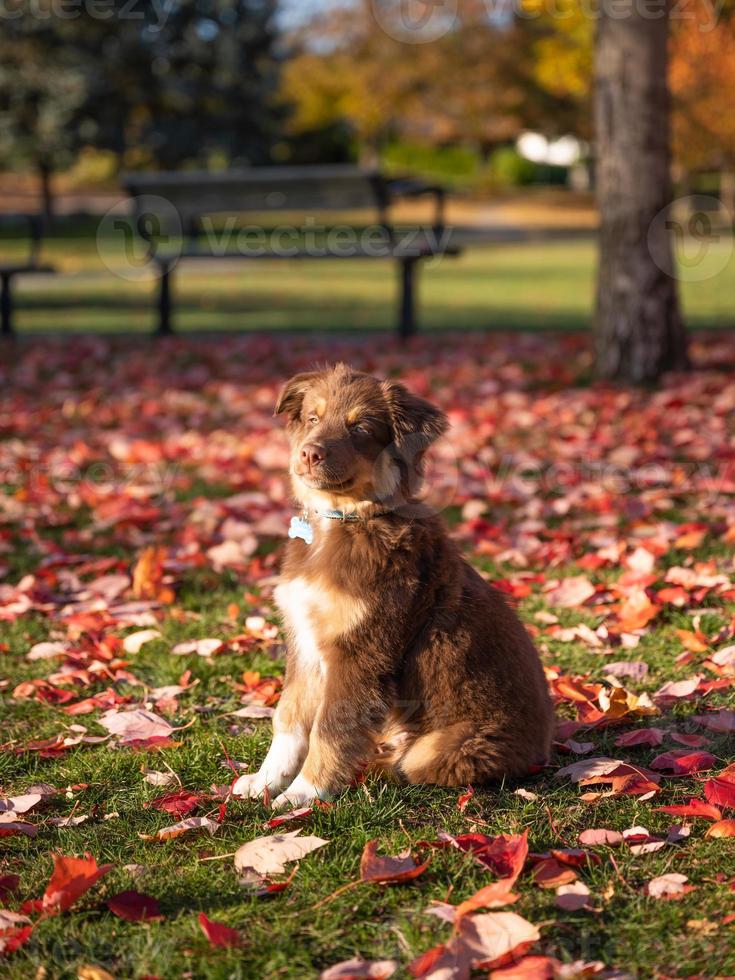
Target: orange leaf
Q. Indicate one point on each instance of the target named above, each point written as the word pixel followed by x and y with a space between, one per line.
pixel 723 828
pixel 71 878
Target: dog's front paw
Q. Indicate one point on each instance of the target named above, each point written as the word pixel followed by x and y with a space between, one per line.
pixel 300 793
pixel 251 786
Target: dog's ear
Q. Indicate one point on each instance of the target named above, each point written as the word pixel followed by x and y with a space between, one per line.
pixel 292 394
pixel 413 417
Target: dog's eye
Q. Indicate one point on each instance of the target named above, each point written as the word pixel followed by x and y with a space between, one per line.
pixel 360 429
pixel 313 419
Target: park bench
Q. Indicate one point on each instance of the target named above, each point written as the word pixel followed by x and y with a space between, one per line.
pixel 191 215
pixel 28 264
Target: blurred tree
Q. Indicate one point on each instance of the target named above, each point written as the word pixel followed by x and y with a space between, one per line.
pixel 40 97
pixel 702 84
pixel 640 332
pixel 475 84
pixel 563 56
pixel 162 85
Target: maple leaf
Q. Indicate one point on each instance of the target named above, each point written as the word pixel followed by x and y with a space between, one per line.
pixel 218 934
pixel 694 808
pixel 720 789
pixel 148 577
pixel 683 761
pixel 573 897
pixel 136 726
pixel 723 828
pixel 134 907
pixel 12 939
pixel 178 804
pixel 384 870
pixel 183 827
pixel 672 885
pixel 270 855
pixel 359 969
pixel 71 878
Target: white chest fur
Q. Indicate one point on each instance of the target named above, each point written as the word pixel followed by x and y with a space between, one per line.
pixel 299 602
pixel 315 615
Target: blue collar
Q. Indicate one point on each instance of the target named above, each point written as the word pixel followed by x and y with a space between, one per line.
pixel 301 528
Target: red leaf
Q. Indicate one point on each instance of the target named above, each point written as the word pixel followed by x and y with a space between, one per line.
pixel 489 897
pixel 425 963
pixel 694 808
pixel 505 854
pixel 12 939
pixel 8 884
pixel 388 870
pixel 300 814
pixel 217 934
pixel 683 762
pixel 720 790
pixel 529 968
pixel 71 878
pixel 179 804
pixel 464 799
pixel 134 906
pixel 642 736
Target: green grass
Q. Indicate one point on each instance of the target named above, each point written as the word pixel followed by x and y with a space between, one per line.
pixel 529 285
pixel 293 935
pixel 285 936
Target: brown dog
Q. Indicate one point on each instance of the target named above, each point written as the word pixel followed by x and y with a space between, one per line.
pixel 400 656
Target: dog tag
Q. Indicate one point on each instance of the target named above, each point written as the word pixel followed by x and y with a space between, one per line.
pixel 301 529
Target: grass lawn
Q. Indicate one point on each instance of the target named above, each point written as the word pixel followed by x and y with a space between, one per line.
pixel 110 448
pixel 529 285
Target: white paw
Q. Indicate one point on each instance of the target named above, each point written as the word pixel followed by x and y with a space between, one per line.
pixel 250 786
pixel 300 793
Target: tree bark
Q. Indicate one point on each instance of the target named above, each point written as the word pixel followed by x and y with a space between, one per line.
pixel 47 191
pixel 639 328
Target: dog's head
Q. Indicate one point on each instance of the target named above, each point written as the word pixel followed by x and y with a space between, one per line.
pixel 356 440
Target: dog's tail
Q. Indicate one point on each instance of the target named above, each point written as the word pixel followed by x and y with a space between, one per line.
pixel 461 755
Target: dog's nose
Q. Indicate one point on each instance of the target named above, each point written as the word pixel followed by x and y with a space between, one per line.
pixel 312 455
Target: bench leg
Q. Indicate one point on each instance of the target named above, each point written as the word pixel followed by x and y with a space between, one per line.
pixel 407 321
pixel 6 306
pixel 164 303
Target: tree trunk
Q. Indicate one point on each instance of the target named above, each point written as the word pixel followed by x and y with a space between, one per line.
pixel 47 191
pixel 727 192
pixel 639 329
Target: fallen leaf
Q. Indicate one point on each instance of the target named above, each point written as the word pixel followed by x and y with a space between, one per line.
pixel 642 736
pixel 202 648
pixel 592 837
pixel 358 969
pixel 530 968
pixel 723 828
pixel 380 869
pixel 571 592
pixel 683 761
pixel 71 878
pixel 134 907
pixel 135 725
pixel 135 641
pixel 492 896
pixel 493 936
pixel 666 885
pixel 178 804
pixel 269 855
pixel 694 808
pixel 573 897
pixel 219 935
pixel 183 827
